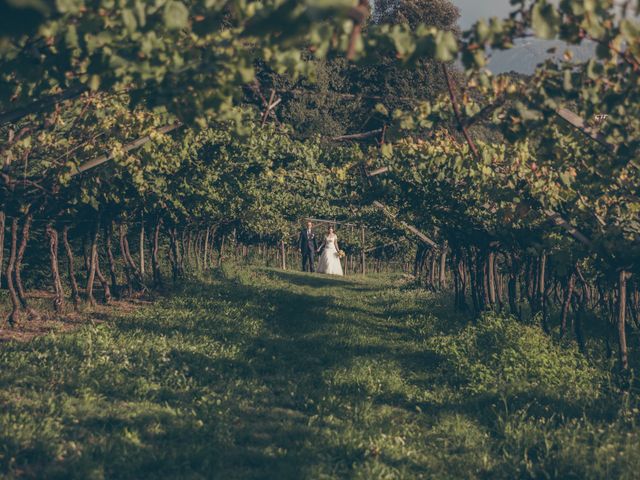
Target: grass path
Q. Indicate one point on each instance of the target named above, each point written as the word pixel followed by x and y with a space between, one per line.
pixel 265 374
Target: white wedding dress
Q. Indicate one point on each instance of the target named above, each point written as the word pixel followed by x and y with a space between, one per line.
pixel 329 262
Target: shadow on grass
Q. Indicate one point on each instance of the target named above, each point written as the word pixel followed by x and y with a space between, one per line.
pixel 235 377
pixel 319 280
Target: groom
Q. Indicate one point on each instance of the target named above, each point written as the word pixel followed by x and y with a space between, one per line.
pixel 308 247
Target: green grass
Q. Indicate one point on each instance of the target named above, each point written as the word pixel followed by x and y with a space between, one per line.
pixel 258 373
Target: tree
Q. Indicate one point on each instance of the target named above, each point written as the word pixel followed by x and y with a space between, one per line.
pixel 342 96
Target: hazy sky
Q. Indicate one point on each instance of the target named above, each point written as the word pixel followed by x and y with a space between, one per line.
pixel 527 53
pixel 472 10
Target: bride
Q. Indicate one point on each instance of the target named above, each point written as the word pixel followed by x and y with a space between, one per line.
pixel 330 259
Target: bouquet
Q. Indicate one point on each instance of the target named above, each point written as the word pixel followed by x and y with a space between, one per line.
pixel 341 254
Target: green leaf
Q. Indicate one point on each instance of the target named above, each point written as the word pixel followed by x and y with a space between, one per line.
pixel 129 20
pixel 545 20
pixel 71 37
pixel 566 178
pixel 630 30
pixel 380 108
pixel 387 150
pixel 446 46
pixel 246 73
pixel 140 11
pixel 94 82
pixel 69 6
pixel 482 30
pixel 403 42
pixel 567 83
pixel 176 15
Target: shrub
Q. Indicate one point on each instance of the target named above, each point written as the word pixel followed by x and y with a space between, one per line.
pixel 498 354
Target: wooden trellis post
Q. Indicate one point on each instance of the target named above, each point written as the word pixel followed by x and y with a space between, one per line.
pixel 364 255
pixel 142 244
pixel 283 255
pixel 221 254
pixel 206 249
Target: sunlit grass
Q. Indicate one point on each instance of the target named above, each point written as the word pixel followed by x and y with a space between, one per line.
pixel 258 373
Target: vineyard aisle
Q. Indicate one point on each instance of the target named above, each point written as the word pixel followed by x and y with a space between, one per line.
pixel 259 373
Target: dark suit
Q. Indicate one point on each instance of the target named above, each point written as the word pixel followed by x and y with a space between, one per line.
pixel 308 248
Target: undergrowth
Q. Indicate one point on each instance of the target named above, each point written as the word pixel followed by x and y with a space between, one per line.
pixel 257 373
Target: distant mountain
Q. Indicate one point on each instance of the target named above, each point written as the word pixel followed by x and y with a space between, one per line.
pixel 524 57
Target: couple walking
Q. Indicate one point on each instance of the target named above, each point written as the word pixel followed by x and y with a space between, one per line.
pixel 329 261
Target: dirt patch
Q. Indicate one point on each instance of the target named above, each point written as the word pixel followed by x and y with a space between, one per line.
pixel 49 322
